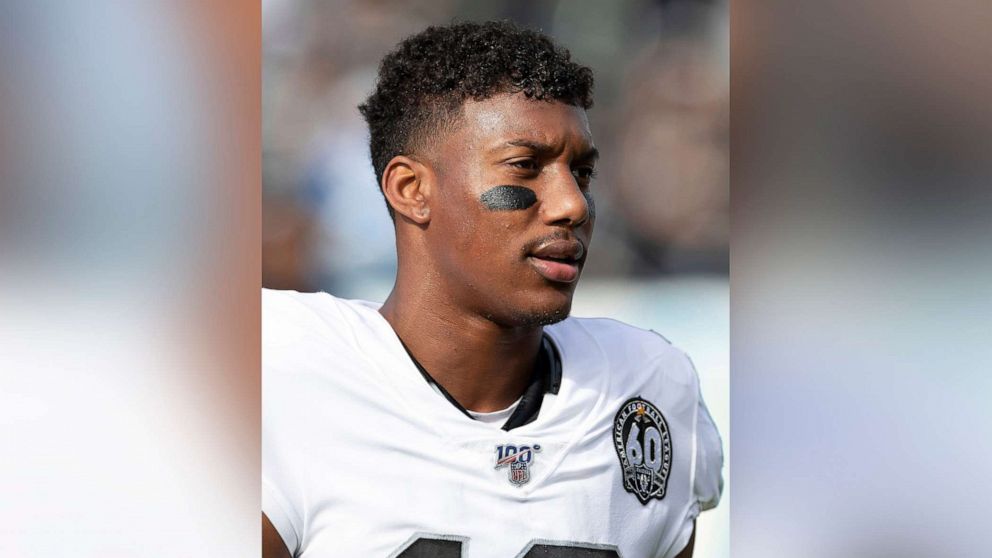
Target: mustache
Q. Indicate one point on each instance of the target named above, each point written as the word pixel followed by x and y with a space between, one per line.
pixel 556 235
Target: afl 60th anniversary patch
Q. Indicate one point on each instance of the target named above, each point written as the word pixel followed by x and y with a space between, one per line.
pixel 644 446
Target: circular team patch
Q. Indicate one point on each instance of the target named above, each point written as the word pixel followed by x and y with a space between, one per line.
pixel 644 446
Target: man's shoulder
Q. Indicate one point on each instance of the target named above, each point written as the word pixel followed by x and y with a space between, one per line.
pixel 614 336
pixel 301 329
pixel 627 352
pixel 300 303
pixel 293 311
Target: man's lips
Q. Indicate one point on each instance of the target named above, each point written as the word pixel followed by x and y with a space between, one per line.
pixel 558 260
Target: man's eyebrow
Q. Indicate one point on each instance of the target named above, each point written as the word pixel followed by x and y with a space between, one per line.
pixel 591 154
pixel 532 145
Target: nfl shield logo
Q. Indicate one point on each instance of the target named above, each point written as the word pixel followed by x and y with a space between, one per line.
pixel 519 473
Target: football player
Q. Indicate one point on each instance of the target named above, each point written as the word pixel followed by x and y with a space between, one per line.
pixel 468 415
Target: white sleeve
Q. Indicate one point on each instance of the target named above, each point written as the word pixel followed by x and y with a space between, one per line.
pixel 280 513
pixel 707 476
pixel 708 483
pixel 282 487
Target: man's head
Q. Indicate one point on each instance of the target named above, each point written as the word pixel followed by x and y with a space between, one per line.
pixel 481 145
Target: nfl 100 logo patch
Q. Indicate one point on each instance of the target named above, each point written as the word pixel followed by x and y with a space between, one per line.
pixel 517 461
pixel 644 446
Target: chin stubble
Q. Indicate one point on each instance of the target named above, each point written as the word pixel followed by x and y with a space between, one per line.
pixel 531 319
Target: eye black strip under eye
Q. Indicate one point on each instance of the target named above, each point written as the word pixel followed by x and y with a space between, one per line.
pixel 508 197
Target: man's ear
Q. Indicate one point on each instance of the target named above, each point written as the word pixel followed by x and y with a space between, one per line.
pixel 406 183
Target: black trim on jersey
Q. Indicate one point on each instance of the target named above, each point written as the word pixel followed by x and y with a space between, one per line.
pixel 554 372
pixel 546 379
pixel 430 380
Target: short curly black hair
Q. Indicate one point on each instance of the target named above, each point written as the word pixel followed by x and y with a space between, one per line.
pixel 423 83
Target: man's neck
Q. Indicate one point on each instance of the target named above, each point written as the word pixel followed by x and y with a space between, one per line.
pixel 482 365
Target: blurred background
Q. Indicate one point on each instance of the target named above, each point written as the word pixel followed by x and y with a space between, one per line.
pixel 660 256
pixel 861 305
pixel 130 204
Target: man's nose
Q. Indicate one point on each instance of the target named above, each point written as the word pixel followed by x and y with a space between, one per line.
pixel 563 202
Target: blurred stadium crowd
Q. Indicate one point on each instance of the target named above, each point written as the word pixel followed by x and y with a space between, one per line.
pixel 660 119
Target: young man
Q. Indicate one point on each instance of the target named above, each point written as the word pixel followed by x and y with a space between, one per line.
pixel 468 416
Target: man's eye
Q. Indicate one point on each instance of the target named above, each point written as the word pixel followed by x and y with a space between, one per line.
pixel 584 173
pixel 526 164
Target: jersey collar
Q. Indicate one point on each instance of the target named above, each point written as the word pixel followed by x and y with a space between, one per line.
pixel 545 379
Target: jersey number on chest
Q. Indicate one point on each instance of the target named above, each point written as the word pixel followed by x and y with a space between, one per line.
pixel 440 546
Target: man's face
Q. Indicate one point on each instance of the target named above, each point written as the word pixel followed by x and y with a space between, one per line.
pixel 512 215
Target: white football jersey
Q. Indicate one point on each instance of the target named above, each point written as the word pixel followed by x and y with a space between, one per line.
pixel 364 458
